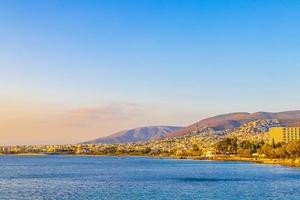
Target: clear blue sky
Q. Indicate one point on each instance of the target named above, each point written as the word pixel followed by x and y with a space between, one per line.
pixel 185 58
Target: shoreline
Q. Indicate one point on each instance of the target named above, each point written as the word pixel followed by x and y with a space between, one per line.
pixel 269 161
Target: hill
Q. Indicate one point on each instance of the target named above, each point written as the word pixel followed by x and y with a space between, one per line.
pixel 140 134
pixel 235 120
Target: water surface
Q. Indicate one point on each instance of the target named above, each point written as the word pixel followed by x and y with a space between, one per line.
pixel 96 177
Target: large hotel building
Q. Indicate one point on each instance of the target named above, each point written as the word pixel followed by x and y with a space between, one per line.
pixel 284 134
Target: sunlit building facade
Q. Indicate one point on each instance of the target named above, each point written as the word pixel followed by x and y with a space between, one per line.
pixel 283 134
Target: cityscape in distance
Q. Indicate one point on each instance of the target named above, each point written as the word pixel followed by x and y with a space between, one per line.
pixel 262 137
pixel 149 99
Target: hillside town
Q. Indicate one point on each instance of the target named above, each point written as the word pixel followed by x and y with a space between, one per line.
pixel 249 140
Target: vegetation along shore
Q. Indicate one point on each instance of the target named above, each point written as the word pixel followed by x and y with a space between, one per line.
pixel 269 138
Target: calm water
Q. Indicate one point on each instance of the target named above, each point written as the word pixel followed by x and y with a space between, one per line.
pixel 72 177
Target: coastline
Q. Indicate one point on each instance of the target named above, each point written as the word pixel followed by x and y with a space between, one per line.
pixel 290 162
pixel 24 154
pixel 270 161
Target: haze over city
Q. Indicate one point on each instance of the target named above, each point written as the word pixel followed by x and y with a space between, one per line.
pixel 71 71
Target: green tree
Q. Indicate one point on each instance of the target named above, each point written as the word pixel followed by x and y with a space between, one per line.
pixel 227 145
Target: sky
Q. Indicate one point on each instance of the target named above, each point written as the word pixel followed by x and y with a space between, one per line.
pixel 75 70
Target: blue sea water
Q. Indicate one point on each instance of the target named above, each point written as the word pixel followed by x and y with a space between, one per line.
pixel 96 177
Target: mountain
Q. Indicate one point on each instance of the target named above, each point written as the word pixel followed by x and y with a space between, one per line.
pixel 140 134
pixel 217 124
pixel 234 120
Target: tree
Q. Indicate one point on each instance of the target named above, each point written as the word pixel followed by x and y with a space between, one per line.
pixel 147 150
pixel 227 145
pixel 267 150
pixel 280 152
pixel 246 144
pixel 293 148
pixel 110 150
pixel 244 152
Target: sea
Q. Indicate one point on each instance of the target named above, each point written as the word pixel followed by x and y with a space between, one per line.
pixel 117 178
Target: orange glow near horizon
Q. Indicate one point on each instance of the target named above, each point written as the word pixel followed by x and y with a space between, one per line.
pixel 37 123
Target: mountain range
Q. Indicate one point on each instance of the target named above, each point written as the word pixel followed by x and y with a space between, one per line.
pixel 217 123
pixel 140 134
pixel 235 120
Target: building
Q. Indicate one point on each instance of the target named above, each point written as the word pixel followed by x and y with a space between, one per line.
pixel 283 134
